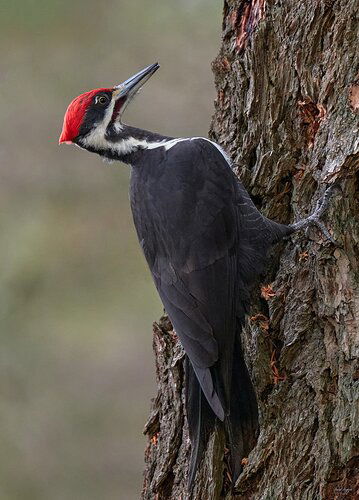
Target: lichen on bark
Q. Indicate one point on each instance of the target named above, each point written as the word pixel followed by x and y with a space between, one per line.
pixel 286 112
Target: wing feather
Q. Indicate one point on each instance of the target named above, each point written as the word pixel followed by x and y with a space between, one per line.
pixel 205 242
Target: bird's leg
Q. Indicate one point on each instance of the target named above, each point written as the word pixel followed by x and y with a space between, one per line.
pixel 314 218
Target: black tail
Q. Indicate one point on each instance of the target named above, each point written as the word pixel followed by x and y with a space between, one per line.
pixel 201 420
pixel 241 425
pixel 242 422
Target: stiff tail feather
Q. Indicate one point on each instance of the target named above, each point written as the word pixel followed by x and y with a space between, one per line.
pixel 201 421
pixel 242 422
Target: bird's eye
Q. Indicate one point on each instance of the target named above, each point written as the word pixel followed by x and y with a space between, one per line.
pixel 101 99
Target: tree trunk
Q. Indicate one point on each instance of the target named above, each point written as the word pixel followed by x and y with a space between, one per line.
pixel 287 113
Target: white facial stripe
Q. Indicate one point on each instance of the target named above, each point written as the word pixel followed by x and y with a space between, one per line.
pixel 118 126
pixel 96 138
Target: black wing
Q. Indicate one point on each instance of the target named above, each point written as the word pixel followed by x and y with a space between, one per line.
pixel 204 241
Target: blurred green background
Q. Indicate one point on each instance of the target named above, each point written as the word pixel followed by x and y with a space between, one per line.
pixel 77 301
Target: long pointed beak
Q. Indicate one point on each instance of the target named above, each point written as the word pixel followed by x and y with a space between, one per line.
pixel 130 86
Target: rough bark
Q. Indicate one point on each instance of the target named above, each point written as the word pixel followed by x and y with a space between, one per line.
pixel 287 113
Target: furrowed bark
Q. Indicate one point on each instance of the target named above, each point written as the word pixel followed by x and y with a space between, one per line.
pixel 287 78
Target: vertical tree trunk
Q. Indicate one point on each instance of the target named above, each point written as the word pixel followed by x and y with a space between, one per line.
pixel 287 113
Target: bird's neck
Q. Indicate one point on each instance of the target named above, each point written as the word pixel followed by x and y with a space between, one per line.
pixel 127 132
pixel 124 143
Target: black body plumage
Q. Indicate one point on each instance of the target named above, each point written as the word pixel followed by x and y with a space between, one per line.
pixel 205 243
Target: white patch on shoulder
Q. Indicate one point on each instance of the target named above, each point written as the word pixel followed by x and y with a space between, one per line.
pixel 221 150
pixel 169 144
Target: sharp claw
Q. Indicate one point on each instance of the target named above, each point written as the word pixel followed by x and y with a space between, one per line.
pixel 325 231
pixel 314 218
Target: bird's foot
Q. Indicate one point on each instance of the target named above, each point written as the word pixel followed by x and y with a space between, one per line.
pixel 315 218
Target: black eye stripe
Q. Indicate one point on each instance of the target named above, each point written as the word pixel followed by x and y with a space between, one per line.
pixel 95 112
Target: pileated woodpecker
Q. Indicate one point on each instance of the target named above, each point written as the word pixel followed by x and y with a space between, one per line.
pixel 205 243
